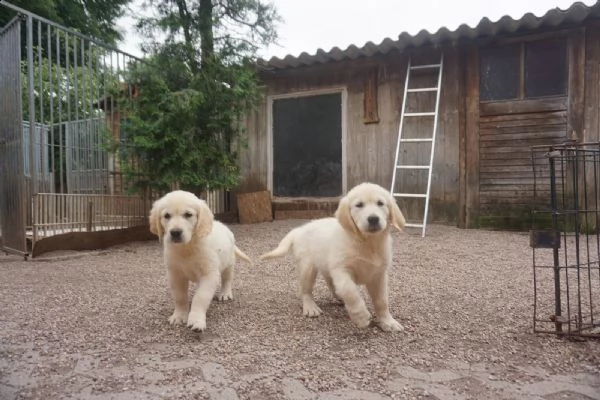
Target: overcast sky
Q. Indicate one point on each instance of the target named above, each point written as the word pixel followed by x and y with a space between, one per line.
pixel 312 24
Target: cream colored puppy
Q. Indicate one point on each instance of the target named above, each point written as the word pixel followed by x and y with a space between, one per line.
pixel 354 248
pixel 196 248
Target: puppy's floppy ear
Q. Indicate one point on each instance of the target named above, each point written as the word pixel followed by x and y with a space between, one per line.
pixel 205 220
pixel 344 217
pixel 395 215
pixel 154 219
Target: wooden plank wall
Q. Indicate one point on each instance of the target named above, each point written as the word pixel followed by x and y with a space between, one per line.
pixel 509 183
pixel 506 178
pixel 252 150
pixel 371 139
pixel 592 84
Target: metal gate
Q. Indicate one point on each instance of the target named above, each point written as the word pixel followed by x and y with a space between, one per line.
pixel 565 238
pixel 12 208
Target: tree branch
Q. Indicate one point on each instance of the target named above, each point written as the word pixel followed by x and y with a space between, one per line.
pixel 186 23
pixel 205 22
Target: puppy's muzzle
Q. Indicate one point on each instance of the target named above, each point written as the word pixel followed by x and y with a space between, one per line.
pixel 176 235
pixel 374 224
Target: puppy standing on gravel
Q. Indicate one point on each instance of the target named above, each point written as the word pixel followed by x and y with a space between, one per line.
pixel 196 248
pixel 354 248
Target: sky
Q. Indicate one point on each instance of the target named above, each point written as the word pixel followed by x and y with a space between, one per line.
pixel 312 24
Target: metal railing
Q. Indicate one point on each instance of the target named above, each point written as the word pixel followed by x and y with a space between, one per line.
pixel 59 117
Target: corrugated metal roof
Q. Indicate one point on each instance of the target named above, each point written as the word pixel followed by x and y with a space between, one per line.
pixel 555 17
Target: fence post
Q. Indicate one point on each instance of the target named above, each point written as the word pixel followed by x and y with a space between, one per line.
pixel 31 93
pixel 554 206
pixel 90 220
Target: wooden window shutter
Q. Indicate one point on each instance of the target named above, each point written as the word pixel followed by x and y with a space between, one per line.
pixel 371 114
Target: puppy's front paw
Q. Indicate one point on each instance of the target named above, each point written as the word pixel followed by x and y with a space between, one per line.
pixel 178 318
pixel 390 325
pixel 362 318
pixel 197 322
pixel 311 309
pixel 224 296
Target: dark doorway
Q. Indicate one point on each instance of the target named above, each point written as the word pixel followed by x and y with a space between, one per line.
pixel 307 146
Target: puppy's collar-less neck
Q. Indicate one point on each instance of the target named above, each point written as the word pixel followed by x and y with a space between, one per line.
pixel 365 238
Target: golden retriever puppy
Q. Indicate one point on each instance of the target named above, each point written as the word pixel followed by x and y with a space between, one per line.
pixel 353 248
pixel 196 248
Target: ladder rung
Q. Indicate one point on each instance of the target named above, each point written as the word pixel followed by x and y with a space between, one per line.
pixel 425 66
pixel 426 89
pixel 419 114
pixel 409 225
pixel 417 140
pixel 416 195
pixel 413 166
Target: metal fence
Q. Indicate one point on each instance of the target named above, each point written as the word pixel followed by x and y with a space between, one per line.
pixel 565 238
pixel 60 93
pixel 62 127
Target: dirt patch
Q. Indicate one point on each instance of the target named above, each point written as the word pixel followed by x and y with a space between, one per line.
pixel 95 327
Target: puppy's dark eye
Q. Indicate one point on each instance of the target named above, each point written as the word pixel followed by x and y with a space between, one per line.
pixel 380 203
pixel 360 205
pixel 188 215
pixel 167 216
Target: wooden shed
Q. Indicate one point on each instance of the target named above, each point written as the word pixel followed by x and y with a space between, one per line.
pixel 329 121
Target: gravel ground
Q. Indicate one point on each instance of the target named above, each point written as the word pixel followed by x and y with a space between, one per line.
pixel 94 326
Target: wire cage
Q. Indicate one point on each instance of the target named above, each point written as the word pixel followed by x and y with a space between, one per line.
pixel 565 239
pixel 65 101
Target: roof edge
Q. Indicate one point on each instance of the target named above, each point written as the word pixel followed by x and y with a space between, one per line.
pixel 554 17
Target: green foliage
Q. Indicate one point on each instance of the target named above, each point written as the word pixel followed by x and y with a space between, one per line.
pixel 195 89
pixel 180 127
pixel 64 94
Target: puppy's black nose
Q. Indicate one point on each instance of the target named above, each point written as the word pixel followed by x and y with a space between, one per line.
pixel 176 233
pixel 373 220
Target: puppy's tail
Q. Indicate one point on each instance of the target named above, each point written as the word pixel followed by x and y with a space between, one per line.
pixel 284 246
pixel 239 253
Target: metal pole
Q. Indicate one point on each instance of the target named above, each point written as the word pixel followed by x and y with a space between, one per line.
pixel 31 89
pixel 554 206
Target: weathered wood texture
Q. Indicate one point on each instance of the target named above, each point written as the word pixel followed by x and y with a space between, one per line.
pixel 371 113
pixel 482 168
pixel 592 85
pixel 506 174
pixel 472 138
pixel 462 136
pixel 576 94
pixel 591 107
pixel 508 188
pixel 371 147
pixel 254 207
pixel 253 157
pixel 507 185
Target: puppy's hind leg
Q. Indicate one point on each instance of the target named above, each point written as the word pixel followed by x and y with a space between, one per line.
pixel 331 287
pixel 226 292
pixel 308 276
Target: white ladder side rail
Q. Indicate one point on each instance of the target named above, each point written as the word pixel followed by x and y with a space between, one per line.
pixel 400 127
pixel 435 125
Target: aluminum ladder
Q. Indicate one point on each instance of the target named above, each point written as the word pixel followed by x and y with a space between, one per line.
pixel 401 140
